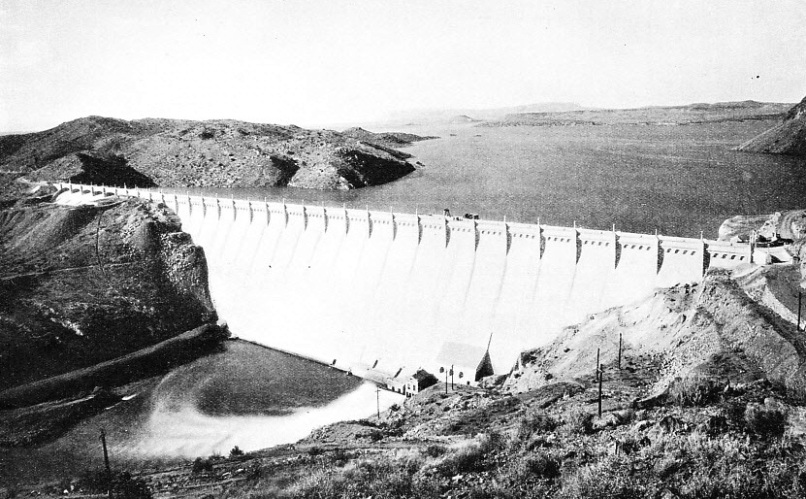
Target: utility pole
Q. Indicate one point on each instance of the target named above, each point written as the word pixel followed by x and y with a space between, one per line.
pixel 446 381
pixel 599 379
pixel 106 463
pixel 619 351
pixel 451 377
pixel 600 394
pixel 378 399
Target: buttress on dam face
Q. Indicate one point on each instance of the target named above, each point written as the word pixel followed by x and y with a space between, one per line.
pixel 398 291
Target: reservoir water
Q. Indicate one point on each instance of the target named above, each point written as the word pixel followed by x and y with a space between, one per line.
pixel 679 180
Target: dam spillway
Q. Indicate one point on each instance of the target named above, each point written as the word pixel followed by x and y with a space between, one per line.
pixel 396 290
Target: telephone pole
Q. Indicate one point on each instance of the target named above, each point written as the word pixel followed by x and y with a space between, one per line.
pixel 600 394
pixel 378 400
pixel 106 463
pixel 599 380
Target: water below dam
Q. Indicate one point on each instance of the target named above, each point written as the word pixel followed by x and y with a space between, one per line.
pixel 247 396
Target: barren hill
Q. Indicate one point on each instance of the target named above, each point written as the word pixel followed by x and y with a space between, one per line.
pixel 789 137
pixel 219 153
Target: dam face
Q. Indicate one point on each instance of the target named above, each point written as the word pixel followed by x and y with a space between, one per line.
pixel 361 287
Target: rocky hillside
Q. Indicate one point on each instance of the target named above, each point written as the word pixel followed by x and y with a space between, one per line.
pixel 83 285
pixel 740 328
pixel 789 137
pixel 219 153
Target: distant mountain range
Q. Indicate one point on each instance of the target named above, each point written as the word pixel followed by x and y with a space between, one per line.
pixel 654 115
pixel 469 115
pixel 569 113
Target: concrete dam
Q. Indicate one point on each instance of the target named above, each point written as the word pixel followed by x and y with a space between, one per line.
pixel 363 289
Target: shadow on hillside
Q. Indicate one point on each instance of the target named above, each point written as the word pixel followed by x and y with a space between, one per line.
pixel 113 171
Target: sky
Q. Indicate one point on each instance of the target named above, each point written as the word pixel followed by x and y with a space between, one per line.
pixel 341 61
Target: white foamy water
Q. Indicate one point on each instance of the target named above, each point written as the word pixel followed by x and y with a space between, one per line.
pixel 186 432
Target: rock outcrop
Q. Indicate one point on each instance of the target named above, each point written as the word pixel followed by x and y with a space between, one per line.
pixel 215 153
pixel 789 137
pixel 83 285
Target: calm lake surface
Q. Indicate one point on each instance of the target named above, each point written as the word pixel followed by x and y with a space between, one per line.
pixel 679 180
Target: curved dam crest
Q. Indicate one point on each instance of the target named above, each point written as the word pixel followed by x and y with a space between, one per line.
pixel 398 290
